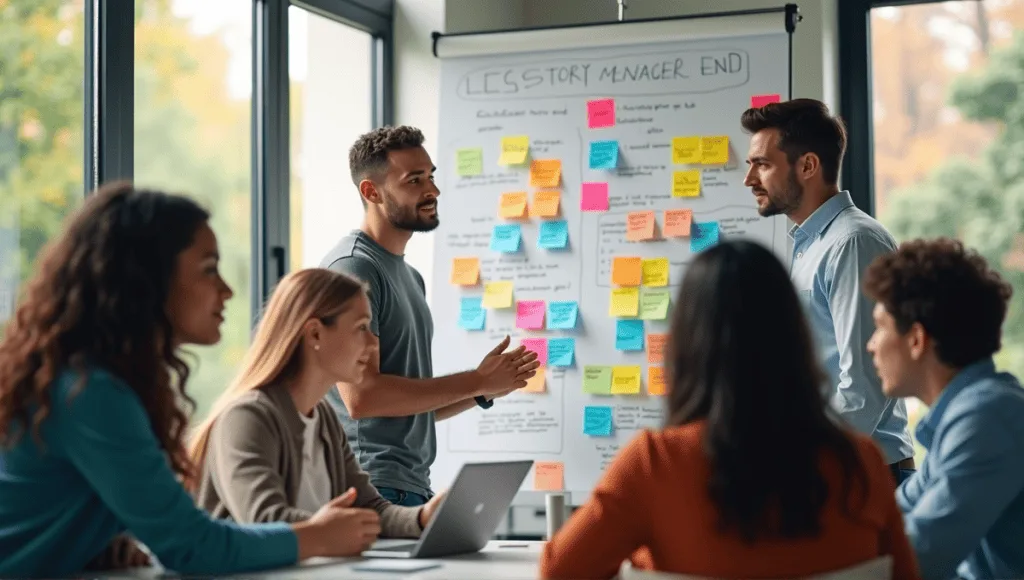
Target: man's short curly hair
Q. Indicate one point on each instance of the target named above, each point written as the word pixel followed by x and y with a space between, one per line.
pixel 368 156
pixel 951 291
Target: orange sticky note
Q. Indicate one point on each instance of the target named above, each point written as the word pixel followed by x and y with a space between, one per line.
pixel 513 205
pixel 656 380
pixel 548 476
pixel 465 271
pixel 536 384
pixel 640 226
pixel 545 203
pixel 545 172
pixel 677 223
pixel 656 347
pixel 627 271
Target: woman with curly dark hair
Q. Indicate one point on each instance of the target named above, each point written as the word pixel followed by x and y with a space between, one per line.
pixel 94 410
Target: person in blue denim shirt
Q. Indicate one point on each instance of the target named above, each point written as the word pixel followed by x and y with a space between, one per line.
pixel 939 314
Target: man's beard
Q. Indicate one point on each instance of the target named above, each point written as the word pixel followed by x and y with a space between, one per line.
pixel 788 201
pixel 410 219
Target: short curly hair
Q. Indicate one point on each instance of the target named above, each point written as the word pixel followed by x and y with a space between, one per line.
pixel 368 156
pixel 951 291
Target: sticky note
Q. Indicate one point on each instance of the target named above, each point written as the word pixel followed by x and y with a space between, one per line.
pixel 597 380
pixel 604 154
pixel 537 383
pixel 553 235
pixel 545 203
pixel 561 351
pixel 626 380
pixel 624 302
pixel 469 161
pixel 656 347
pixel 686 183
pixel 762 100
pixel 597 421
pixel 506 238
pixel 562 315
pixel 654 304
pixel 629 335
pixel 714 150
pixel 594 196
pixel 498 295
pixel 530 314
pixel 601 113
pixel 677 223
pixel 513 205
pixel 465 271
pixel 705 235
pixel 472 315
pixel 548 476
pixel 655 380
pixel 655 272
pixel 539 346
pixel 514 150
pixel 686 150
pixel 627 271
pixel 640 226
pixel 545 172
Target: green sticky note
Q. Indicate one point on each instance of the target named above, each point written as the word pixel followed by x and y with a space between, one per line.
pixel 654 304
pixel 597 380
pixel 470 161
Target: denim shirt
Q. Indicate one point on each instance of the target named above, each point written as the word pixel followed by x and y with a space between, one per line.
pixel 831 251
pixel 964 509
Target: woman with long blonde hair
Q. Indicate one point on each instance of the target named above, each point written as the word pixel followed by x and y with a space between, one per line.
pixel 272 448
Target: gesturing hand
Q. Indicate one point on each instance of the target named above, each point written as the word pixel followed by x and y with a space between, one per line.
pixel 502 372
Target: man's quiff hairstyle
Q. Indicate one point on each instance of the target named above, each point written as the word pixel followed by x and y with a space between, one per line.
pixel 368 157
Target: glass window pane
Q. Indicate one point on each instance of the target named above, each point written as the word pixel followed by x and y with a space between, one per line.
pixel 193 87
pixel 331 90
pixel 41 149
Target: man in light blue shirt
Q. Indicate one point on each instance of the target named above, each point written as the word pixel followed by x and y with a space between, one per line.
pixel 796 148
pixel 939 317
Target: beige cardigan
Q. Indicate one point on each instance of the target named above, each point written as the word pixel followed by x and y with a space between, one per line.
pixel 253 465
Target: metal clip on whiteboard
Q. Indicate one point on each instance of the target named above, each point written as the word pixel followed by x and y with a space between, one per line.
pixel 554 504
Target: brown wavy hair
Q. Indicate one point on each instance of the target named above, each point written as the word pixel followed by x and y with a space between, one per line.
pixel 98 300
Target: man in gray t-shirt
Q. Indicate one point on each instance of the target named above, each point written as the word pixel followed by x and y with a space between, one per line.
pixel 389 417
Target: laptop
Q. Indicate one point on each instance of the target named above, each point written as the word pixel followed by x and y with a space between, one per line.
pixel 467 517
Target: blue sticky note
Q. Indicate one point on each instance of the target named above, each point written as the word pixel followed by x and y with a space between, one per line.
pixel 705 235
pixel 597 421
pixel 604 154
pixel 553 235
pixel 629 335
pixel 472 314
pixel 561 352
pixel 562 315
pixel 506 238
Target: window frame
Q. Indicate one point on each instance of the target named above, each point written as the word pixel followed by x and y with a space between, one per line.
pixel 109 89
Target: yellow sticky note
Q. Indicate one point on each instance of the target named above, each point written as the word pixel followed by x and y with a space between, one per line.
pixel 625 302
pixel 656 347
pixel 514 150
pixel 513 205
pixel 656 380
pixel 545 203
pixel 469 162
pixel 498 295
pixel 686 150
pixel 536 384
pixel 627 271
pixel 465 271
pixel 686 183
pixel 626 380
pixel 714 150
pixel 655 272
pixel 545 172
pixel 640 226
pixel 548 476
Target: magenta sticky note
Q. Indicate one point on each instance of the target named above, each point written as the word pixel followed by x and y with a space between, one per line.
pixel 530 314
pixel 601 113
pixel 762 100
pixel 594 196
pixel 539 346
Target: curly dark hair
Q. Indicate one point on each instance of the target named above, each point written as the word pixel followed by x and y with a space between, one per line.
pixel 947 289
pixel 98 298
pixel 368 156
pixel 805 126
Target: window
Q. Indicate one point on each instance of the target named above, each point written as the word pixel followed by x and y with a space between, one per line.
pixel 41 110
pixel 193 86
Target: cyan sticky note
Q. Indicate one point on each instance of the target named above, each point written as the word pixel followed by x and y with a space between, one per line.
pixel 597 421
pixel 553 235
pixel 472 315
pixel 629 335
pixel 561 351
pixel 562 315
pixel 604 154
pixel 506 238
pixel 704 235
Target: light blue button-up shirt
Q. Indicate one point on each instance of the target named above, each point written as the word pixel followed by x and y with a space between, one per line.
pixel 831 250
pixel 964 509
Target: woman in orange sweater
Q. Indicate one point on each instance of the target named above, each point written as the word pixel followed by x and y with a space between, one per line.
pixel 750 478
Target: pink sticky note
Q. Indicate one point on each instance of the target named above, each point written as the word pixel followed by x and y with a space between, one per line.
pixel 539 346
pixel 601 113
pixel 530 314
pixel 762 100
pixel 594 197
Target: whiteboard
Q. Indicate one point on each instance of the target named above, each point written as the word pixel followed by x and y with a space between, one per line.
pixel 487 97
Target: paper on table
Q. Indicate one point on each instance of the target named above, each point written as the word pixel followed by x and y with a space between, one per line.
pixel 685 150
pixel 624 302
pixel 705 235
pixel 545 203
pixel 640 226
pixel 597 421
pixel 758 101
pixel 686 183
pixel 553 235
pixel 469 161
pixel 714 150
pixel 600 113
pixel 561 351
pixel 506 238
pixel 594 196
pixel 604 154
pixel 597 380
pixel 548 476
pixel 545 172
pixel 465 271
pixel 498 295
pixel 654 304
pixel 655 272
pixel 537 383
pixel 677 223
pixel 656 347
pixel 514 150
pixel 562 315
pixel 656 380
pixel 513 205
pixel 539 346
pixel 472 315
pixel 530 314
pixel 629 335
pixel 627 271
pixel 626 380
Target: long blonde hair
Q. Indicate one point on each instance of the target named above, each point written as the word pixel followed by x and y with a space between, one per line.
pixel 313 293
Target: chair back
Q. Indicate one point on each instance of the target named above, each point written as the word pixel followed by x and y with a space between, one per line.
pixel 876 569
